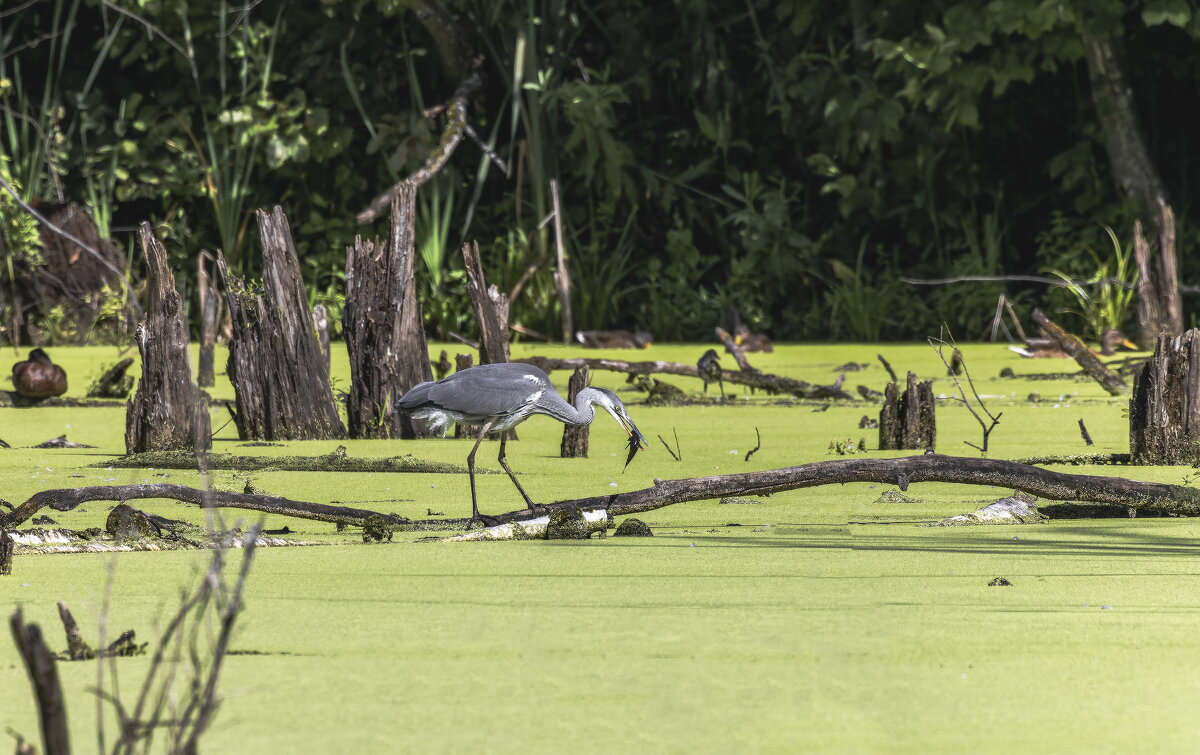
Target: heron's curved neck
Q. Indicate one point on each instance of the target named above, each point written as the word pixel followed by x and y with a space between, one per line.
pixel 584 411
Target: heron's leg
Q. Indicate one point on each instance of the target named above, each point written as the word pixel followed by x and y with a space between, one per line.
pixel 502 458
pixel 471 468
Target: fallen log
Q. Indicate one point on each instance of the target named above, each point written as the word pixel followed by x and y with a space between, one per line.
pixel 1042 483
pixel 337 461
pixel 760 380
pixel 1078 350
pixel 65 499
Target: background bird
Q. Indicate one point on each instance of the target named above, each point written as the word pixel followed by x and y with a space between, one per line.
pixel 501 396
pixel 38 377
pixel 614 339
pixel 709 366
pixel 1110 341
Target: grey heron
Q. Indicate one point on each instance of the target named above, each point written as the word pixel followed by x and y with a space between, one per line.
pixel 502 396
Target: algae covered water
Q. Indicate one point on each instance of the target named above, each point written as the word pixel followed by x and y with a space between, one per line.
pixel 825 618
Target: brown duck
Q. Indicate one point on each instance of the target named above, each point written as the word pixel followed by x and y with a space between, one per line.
pixel 38 377
pixel 1111 342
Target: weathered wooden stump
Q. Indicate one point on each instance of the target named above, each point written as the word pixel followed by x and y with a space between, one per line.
pixel 168 412
pixel 113 382
pixel 210 303
pixel 491 309
pixel 907 420
pixel 275 363
pixel 575 437
pixel 385 337
pixel 1164 410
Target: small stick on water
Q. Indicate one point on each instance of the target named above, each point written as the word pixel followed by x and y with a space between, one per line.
pixel 758 445
pixel 1087 438
pixel 678 450
pixel 673 454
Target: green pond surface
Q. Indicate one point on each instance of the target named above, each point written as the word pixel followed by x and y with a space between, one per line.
pixel 821 619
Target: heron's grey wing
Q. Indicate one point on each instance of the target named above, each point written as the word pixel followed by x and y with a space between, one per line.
pixel 489 390
pixel 416 397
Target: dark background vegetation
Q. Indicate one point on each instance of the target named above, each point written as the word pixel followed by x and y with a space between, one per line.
pixel 794 157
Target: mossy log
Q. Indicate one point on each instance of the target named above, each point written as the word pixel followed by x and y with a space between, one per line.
pixel 275 363
pixel 65 499
pixel 385 337
pixel 536 527
pixel 1164 410
pixel 908 420
pixel 168 412
pixel 113 382
pixel 337 461
pixel 1074 347
pixel 760 380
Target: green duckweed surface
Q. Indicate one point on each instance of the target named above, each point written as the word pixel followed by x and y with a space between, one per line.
pixel 821 619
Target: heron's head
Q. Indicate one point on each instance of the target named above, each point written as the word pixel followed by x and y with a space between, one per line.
pixel 608 400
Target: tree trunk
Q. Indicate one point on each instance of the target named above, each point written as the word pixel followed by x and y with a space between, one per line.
pixel 462 429
pixel 209 305
pixel 491 309
pixel 1078 350
pixel 1137 177
pixel 1164 410
pixel 275 363
pixel 320 318
pixel 385 337
pixel 562 275
pixel 575 437
pixel 168 412
pixel 908 421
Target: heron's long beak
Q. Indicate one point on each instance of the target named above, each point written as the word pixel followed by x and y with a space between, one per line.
pixel 630 429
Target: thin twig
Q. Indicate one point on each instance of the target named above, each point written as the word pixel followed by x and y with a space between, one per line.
pixel 487 150
pixel 151 29
pixel 673 454
pixel 938 344
pixel 30 44
pixel 18 9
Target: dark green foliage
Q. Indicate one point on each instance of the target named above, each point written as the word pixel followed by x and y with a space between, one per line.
pixel 795 159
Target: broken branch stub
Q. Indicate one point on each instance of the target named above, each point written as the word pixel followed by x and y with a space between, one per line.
pixel 382 324
pixel 168 412
pixel 1085 357
pixel 275 362
pixel 1164 409
pixel 908 420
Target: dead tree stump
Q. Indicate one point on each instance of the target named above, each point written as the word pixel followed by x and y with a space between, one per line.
pixel 491 309
pixel 575 437
pixel 168 412
pixel 210 303
pixel 385 337
pixel 908 421
pixel 113 382
pixel 1158 306
pixel 320 318
pixel 275 363
pixel 1164 410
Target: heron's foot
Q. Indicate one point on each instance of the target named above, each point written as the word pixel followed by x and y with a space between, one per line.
pixel 484 521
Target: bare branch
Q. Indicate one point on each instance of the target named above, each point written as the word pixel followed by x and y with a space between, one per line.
pixel 151 29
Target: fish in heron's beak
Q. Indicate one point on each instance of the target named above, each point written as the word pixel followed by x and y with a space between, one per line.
pixel 636 440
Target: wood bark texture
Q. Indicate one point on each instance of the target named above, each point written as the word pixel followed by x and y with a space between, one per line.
pixel 65 499
pixel 275 362
pixel 908 420
pixel 1085 357
pixel 210 302
pixel 1164 410
pixel 6 552
pixel 575 437
pixel 168 412
pixel 739 356
pixel 562 275
pixel 383 329
pixel 491 309
pixel 113 382
pixel 1158 307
